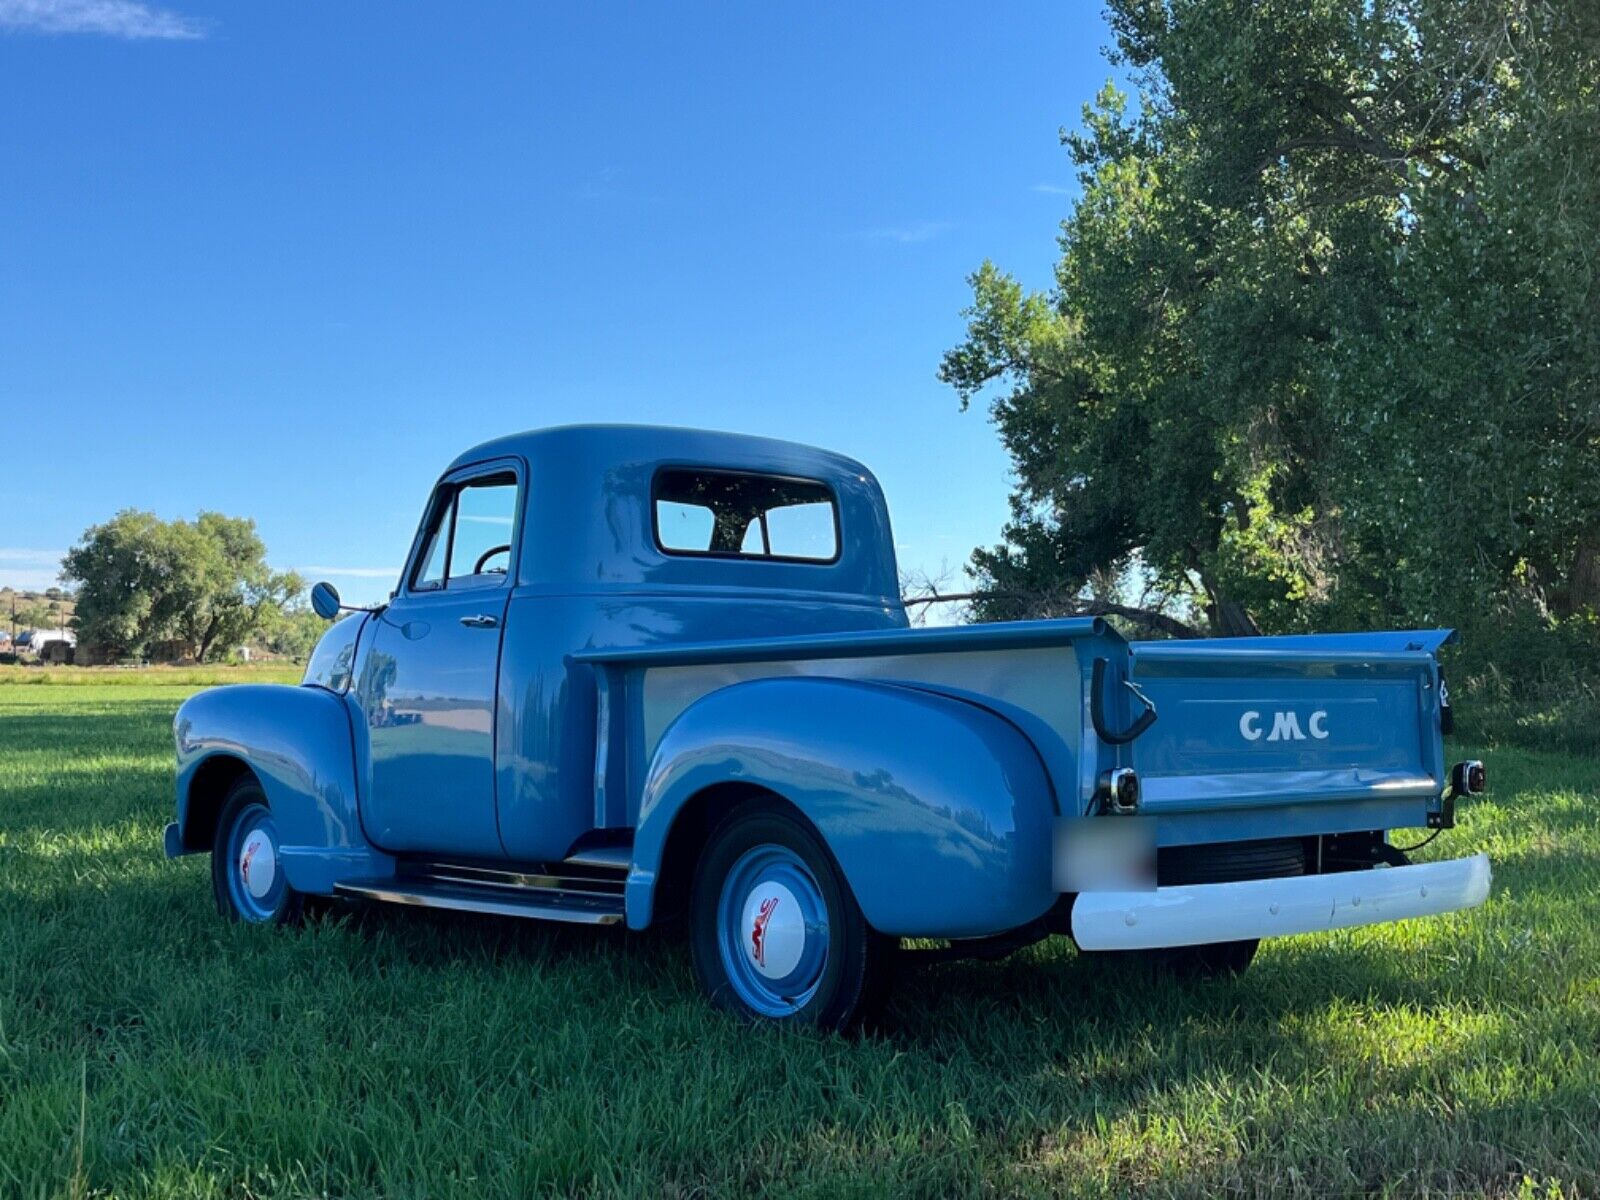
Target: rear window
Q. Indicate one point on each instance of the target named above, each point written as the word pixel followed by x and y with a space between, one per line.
pixel 735 514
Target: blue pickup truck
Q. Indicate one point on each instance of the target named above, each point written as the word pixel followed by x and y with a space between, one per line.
pixel 644 675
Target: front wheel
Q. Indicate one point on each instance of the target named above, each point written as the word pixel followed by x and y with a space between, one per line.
pixel 247 876
pixel 774 931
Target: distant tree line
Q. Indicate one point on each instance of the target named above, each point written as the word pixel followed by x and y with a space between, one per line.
pixel 1323 349
pixel 147 588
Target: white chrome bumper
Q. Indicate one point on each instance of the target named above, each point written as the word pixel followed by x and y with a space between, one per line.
pixel 1257 908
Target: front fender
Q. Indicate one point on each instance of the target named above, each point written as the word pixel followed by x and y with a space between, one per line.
pixel 937 811
pixel 298 743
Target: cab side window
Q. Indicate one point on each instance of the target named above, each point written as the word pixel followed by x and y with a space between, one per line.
pixel 468 543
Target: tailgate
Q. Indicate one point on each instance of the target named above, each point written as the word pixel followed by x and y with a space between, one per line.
pixel 1247 722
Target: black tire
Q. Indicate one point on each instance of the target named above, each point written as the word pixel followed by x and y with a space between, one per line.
pixel 858 967
pixel 1215 959
pixel 287 906
pixel 1269 858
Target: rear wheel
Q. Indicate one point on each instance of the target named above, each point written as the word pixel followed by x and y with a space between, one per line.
pixel 1212 959
pixel 247 876
pixel 774 931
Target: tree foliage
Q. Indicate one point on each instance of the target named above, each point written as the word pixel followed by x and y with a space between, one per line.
pixel 202 586
pixel 293 631
pixel 1323 347
pixel 33 614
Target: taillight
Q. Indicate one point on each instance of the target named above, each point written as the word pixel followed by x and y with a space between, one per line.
pixel 1466 779
pixel 1119 791
pixel 1469 778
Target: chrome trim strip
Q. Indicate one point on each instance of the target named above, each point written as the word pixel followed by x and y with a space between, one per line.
pixel 462 900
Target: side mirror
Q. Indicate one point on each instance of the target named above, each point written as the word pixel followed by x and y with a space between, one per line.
pixel 325 601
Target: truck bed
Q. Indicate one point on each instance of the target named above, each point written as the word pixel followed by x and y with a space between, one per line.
pixel 1345 727
pixel 1025 670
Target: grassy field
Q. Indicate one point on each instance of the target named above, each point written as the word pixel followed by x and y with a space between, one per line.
pixel 146 1048
pixel 191 677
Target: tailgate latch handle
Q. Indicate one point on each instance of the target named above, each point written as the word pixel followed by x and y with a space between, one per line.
pixel 1097 708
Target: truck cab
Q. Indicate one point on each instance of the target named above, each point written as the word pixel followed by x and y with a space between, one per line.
pixel 632 673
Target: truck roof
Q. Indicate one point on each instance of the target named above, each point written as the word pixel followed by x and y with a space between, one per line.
pixel 668 442
pixel 589 519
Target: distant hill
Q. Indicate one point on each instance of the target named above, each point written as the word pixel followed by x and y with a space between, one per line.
pixel 50 609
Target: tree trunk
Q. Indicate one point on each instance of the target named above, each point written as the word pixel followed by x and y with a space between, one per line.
pixel 205 640
pixel 1228 618
pixel 1156 622
pixel 1583 588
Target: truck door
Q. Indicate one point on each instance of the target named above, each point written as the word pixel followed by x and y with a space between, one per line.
pixel 427 687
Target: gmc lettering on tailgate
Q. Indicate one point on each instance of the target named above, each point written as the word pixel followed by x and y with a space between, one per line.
pixel 1285 726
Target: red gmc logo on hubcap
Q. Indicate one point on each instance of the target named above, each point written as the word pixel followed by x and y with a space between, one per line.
pixel 758 934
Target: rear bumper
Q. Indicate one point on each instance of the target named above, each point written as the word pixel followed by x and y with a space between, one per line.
pixel 1225 912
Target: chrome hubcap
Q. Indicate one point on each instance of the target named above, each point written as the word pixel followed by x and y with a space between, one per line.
pixel 773 930
pixel 776 929
pixel 256 882
pixel 258 864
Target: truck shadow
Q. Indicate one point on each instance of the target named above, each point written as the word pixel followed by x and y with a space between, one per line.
pixel 1057 986
pixel 1040 1052
pixel 974 1007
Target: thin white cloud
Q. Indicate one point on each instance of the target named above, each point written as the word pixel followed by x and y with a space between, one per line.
pixel 914 231
pixel 27 579
pixel 126 19
pixel 30 570
pixel 352 572
pixel 1051 189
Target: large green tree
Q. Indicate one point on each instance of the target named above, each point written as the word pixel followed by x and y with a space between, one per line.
pixel 294 631
pixel 1323 347
pixel 203 585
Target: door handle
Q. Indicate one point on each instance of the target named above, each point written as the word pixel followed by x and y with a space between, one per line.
pixel 480 621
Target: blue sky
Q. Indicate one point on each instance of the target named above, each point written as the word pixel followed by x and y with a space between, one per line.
pixel 284 260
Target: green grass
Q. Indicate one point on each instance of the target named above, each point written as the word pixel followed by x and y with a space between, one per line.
pixel 147 1048
pixel 193 677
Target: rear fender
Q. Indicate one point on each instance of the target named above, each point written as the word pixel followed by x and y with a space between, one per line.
pixel 297 742
pixel 938 811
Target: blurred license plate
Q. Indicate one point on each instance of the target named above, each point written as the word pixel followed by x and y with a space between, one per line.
pixel 1105 854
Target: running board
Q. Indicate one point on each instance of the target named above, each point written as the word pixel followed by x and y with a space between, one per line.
pixel 583 893
pixel 536 903
pixel 568 879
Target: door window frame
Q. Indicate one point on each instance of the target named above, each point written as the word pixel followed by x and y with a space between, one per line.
pixel 447 486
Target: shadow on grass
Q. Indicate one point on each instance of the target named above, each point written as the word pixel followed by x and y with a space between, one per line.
pixel 1042 1053
pixel 146 724
pixel 958 1003
pixel 965 1004
pixel 440 938
pixel 1040 1071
